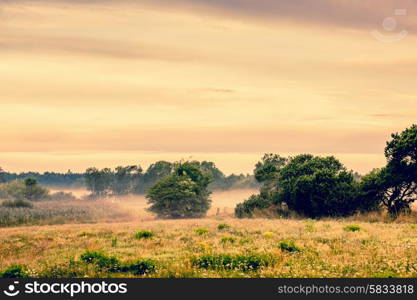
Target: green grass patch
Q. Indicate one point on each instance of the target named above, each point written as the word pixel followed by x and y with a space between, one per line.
pixel 144 234
pixel 139 267
pixel 111 264
pixel 201 231
pixel 101 261
pixel 245 263
pixel 288 246
pixel 14 271
pixel 223 226
pixel 228 239
pixel 352 228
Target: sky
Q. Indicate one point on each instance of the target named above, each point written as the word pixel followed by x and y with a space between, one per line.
pixel 105 83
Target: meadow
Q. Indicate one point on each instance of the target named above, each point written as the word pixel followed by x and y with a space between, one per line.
pixel 118 238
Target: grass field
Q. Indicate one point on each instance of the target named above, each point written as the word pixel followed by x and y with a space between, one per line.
pixel 116 237
pixel 266 248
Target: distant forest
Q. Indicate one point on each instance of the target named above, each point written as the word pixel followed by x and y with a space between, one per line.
pixel 141 180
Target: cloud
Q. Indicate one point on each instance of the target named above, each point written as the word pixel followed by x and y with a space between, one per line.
pixel 94 47
pixel 360 14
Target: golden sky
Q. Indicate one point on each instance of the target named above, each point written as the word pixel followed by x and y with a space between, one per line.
pixel 106 83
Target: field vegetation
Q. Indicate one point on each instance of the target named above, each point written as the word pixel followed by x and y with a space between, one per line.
pixel 310 218
pixel 247 248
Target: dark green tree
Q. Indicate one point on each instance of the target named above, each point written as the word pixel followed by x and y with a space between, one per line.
pixel 183 194
pixel 317 186
pixel 254 202
pixel 269 167
pixel 34 192
pixel 395 185
pixel 371 191
pixel 267 172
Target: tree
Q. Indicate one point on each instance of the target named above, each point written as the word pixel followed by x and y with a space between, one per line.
pixel 33 191
pixel 218 177
pixel 98 181
pixel 395 185
pixel 317 186
pixel 153 174
pixel 267 172
pixel 269 167
pixel 247 207
pixel 27 189
pixel 3 176
pixel 371 191
pixel 124 179
pixel 183 194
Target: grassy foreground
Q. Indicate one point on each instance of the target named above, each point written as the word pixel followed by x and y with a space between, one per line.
pixel 217 247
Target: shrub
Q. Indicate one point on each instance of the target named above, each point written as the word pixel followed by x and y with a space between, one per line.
pixel 144 234
pixel 113 265
pixel 103 262
pixel 288 246
pixel 352 228
pixel 246 209
pixel 223 226
pixel 23 190
pixel 139 267
pixel 317 186
pixel 228 239
pixel 14 271
pixel 17 203
pixel 33 191
pixel 244 263
pixel 183 194
pixel 201 231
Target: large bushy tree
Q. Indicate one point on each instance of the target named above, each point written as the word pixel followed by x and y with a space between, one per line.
pixel 317 186
pixel 395 185
pixel 183 194
pixel 309 185
pixel 267 173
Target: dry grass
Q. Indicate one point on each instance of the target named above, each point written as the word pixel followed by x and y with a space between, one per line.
pixel 380 248
pixel 326 249
pixel 62 212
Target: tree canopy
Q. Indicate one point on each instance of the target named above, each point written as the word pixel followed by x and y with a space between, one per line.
pixel 395 185
pixel 183 194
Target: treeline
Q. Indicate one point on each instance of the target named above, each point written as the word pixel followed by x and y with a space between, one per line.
pixel 316 187
pixel 50 179
pixel 128 179
pixel 125 180
pixel 21 193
